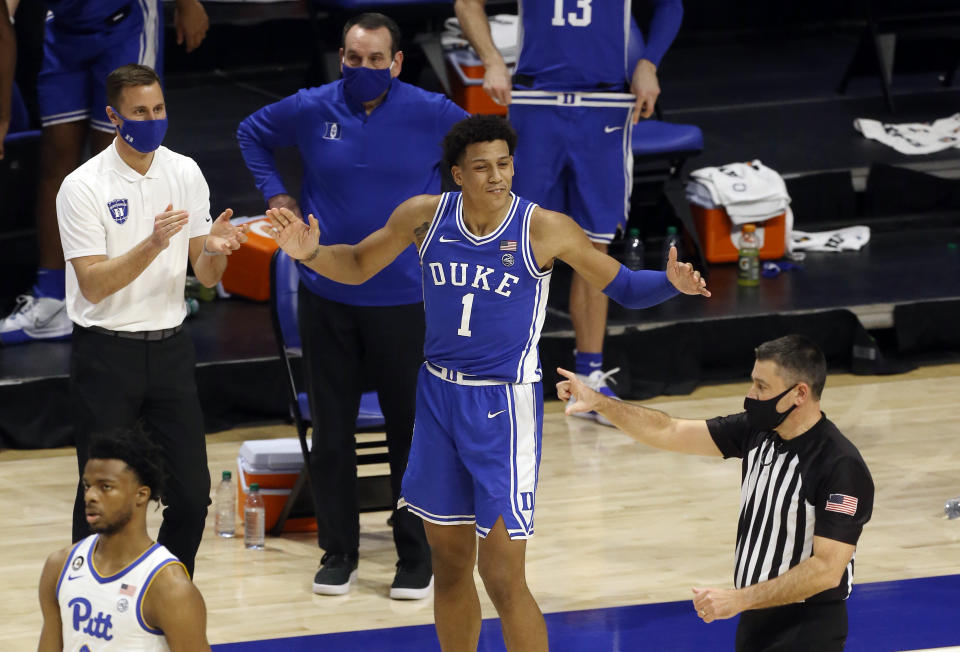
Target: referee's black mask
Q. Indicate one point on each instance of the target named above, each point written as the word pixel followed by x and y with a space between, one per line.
pixel 762 414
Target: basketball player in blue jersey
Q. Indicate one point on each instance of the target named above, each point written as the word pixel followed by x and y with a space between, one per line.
pixel 84 40
pixel 486 257
pixel 573 115
pixel 117 589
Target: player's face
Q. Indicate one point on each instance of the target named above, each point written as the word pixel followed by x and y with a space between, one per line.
pixel 142 103
pixel 369 48
pixel 111 492
pixel 486 173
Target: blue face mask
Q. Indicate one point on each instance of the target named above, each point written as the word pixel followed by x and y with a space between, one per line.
pixel 143 135
pixel 364 84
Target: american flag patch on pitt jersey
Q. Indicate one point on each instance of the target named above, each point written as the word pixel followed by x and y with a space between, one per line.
pixel 127 589
pixel 842 503
pixel 508 245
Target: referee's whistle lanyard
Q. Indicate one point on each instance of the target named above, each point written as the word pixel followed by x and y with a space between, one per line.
pixel 144 136
pixel 763 415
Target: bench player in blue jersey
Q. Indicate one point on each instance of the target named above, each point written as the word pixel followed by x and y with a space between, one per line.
pixel 84 40
pixel 117 589
pixel 573 114
pixel 486 257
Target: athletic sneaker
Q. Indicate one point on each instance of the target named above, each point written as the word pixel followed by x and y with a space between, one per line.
pixel 36 318
pixel 336 573
pixel 412 582
pixel 597 381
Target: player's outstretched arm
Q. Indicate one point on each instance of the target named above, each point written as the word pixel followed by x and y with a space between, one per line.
pixel 555 235
pixel 651 427
pixel 354 264
pixel 174 605
pixel 51 634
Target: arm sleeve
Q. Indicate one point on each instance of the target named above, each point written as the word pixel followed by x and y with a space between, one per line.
pixel 844 501
pixel 81 232
pixel 198 202
pixel 639 288
pixel 664 26
pixel 449 114
pixel 260 133
pixel 730 434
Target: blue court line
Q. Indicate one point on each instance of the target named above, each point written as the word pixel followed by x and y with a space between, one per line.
pixel 884 617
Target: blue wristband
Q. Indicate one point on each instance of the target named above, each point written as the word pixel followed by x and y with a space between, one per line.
pixel 640 289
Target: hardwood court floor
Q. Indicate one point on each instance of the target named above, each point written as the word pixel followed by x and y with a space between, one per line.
pixel 617 523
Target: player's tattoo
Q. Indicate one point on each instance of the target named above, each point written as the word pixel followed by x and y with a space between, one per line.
pixel 421 232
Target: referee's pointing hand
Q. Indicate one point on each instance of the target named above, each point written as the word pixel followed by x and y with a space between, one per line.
pixel 586 398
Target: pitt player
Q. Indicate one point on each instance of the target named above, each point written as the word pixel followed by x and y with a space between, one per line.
pixel 117 589
pixel 486 257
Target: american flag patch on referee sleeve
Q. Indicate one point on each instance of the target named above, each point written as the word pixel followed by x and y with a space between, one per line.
pixel 842 503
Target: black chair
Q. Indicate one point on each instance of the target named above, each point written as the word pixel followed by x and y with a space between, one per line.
pixel 373 491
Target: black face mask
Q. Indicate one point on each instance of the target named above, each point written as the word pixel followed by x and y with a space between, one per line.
pixel 763 415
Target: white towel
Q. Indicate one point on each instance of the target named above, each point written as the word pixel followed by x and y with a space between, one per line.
pixel 503 30
pixel 851 238
pixel 913 137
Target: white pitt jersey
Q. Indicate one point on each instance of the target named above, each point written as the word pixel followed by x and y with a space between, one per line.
pixel 100 614
pixel 106 208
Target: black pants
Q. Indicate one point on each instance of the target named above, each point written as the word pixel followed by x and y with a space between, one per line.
pixel 798 627
pixel 115 382
pixel 346 350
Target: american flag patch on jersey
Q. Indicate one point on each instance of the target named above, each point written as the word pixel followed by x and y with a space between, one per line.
pixel 508 245
pixel 842 503
pixel 128 589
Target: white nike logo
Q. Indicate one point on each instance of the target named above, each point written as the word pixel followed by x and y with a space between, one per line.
pixel 444 239
pixel 596 365
pixel 609 130
pixel 490 415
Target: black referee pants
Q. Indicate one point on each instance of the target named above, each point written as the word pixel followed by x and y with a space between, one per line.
pixel 347 349
pixel 802 627
pixel 114 382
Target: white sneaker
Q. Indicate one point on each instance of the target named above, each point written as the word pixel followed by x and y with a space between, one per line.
pixel 35 318
pixel 597 381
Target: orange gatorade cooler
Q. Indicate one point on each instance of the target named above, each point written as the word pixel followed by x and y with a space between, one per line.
pixel 719 237
pixel 466 83
pixel 248 269
pixel 274 464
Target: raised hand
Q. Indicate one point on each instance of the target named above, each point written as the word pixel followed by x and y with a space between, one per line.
pixel 292 235
pixel 586 398
pixel 166 225
pixel 684 277
pixel 224 237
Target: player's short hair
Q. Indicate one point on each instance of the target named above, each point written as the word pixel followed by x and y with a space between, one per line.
pixel 133 447
pixel 799 359
pixel 132 74
pixel 476 129
pixel 373 20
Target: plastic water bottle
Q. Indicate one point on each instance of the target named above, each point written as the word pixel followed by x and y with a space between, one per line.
pixel 952 508
pixel 748 273
pixel 193 306
pixel 226 508
pixel 672 240
pixel 633 253
pixel 253 519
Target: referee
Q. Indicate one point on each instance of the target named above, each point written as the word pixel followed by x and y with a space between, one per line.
pixel 806 494
pixel 130 218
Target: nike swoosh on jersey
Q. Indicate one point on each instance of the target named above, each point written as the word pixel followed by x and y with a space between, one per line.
pixel 445 239
pixel 73 577
pixel 609 130
pixel 490 415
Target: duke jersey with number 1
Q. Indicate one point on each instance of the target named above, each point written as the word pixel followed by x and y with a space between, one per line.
pixel 484 297
pixel 100 614
pixel 556 34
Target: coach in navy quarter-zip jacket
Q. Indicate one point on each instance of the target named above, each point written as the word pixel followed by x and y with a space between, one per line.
pixel 368 142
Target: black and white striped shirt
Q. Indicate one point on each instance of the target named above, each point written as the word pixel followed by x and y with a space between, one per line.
pixel 814 484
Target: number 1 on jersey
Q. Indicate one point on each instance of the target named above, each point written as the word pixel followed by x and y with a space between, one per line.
pixel 467 302
pixel 576 20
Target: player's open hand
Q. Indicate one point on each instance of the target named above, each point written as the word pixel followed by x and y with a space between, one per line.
pixel 292 235
pixel 224 237
pixel 586 398
pixel 684 277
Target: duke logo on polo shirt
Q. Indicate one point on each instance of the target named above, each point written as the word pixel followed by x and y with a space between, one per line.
pixel 118 210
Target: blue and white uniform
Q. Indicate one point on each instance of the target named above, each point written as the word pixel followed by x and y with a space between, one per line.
pixel 100 613
pixel 571 109
pixel 476 442
pixel 85 40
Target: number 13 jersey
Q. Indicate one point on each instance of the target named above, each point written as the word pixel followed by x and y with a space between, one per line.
pixel 484 297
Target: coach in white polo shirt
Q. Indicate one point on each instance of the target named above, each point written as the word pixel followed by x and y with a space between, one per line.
pixel 130 218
